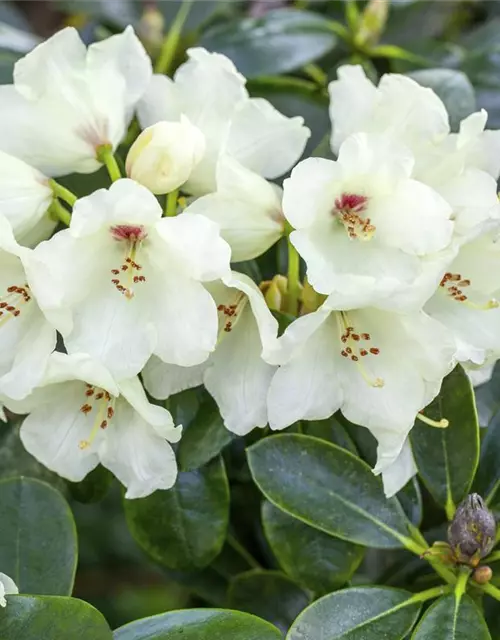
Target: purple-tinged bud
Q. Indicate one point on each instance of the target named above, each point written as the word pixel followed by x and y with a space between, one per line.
pixel 471 533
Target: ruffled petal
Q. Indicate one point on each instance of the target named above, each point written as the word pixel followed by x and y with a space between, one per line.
pixel 163 380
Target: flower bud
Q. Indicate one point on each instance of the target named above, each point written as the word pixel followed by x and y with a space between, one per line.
pixel 482 575
pixel 275 291
pixel 372 23
pixel 164 155
pixel 471 533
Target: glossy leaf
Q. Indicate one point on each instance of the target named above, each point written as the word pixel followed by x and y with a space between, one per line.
pixel 453 87
pixel 328 488
pixel 198 624
pixel 185 527
pixel 280 41
pixel 364 613
pixel 51 618
pixel 313 558
pixel 332 430
pixel 38 545
pixel 269 595
pixel 447 620
pixel 204 438
pixel 94 487
pixel 410 498
pixel 206 584
pixel 447 458
pixel 487 480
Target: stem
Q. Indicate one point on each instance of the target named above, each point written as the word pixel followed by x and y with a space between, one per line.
pixel 171 204
pixel 435 592
pixel 105 155
pixel 58 212
pixel 171 42
pixel 317 74
pixel 490 590
pixel 461 584
pixel 293 279
pixel 493 556
pixel 63 193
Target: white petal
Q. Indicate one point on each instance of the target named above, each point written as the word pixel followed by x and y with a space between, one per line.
pixel 309 194
pixel 396 475
pixel 158 417
pixel 186 321
pixel 141 459
pixel 194 243
pixel 125 202
pixel 7 587
pixel 352 99
pixel 414 218
pixel 78 366
pixel 308 386
pixel 246 207
pixel 258 127
pixel 239 379
pixel 163 380
pixel 53 432
pixel 161 101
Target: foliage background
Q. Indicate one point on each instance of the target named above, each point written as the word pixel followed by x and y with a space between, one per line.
pixel 289 51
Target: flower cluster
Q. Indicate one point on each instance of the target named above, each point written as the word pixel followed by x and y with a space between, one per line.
pixel 398 236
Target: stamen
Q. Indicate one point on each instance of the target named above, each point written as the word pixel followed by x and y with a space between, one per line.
pixel 133 236
pixel 348 209
pixel 441 424
pixel 453 284
pixel 10 304
pixel 104 414
pixel 355 352
pixel 231 313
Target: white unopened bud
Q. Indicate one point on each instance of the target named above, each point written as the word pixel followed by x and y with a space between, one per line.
pixel 164 155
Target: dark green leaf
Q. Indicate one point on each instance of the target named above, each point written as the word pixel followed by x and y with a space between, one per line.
pixel 233 559
pixel 185 405
pixel 327 488
pixel 487 480
pixel 369 613
pixel 313 558
pixel 7 62
pixel 332 430
pixel 269 595
pixel 199 624
pixel 94 487
pixel 488 397
pixel 206 584
pixel 204 438
pixel 410 498
pixel 51 618
pixel 184 528
pixel 281 41
pixel 447 620
pixel 453 87
pixel 38 546
pixel 447 458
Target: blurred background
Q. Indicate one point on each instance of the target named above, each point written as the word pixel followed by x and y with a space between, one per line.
pixel 289 51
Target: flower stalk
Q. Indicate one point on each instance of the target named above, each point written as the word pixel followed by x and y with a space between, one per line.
pixel 105 155
pixel 61 192
pixel 293 277
pixel 171 42
pixel 171 204
pixel 58 212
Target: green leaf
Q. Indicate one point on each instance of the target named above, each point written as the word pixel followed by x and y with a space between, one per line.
pixel 447 458
pixel 204 438
pixel 51 618
pixel 365 613
pixel 206 584
pixel 269 595
pixel 447 620
pixel 327 488
pixel 283 40
pixel 410 498
pixel 313 558
pixel 199 624
pixel 185 527
pixel 233 559
pixel 331 430
pixel 453 87
pixel 38 545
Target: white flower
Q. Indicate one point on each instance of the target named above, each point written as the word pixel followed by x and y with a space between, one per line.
pixel 67 100
pixel 26 338
pixel 7 587
pixel 379 368
pixel 164 155
pixel 79 417
pixel 399 106
pixel 362 224
pixel 123 283
pixel 246 207
pixel 465 300
pixel 480 374
pixel 462 167
pixel 25 196
pixel 211 93
pixel 236 374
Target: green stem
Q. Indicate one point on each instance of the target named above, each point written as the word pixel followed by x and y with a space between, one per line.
pixel 239 548
pixel 430 594
pixel 493 556
pixel 171 42
pixel 171 204
pixel 490 590
pixel 317 74
pixel 58 212
pixel 105 155
pixel 63 193
pixel 293 279
pixel 461 584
